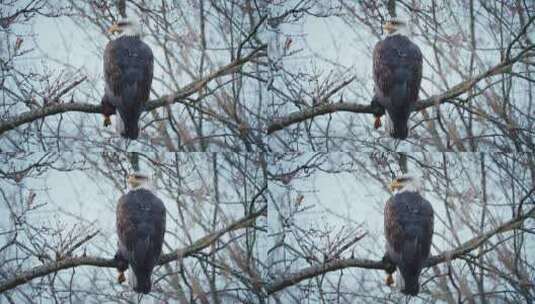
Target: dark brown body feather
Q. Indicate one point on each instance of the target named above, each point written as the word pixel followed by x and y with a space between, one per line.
pixel 141 229
pixel 128 71
pixel 397 73
pixel 408 231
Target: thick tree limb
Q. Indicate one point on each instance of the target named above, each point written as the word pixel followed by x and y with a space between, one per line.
pixel 325 107
pixel 192 88
pixel 199 245
pixel 443 257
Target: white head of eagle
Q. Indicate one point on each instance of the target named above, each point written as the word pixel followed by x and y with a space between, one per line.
pixel 128 71
pixel 126 27
pixel 408 224
pixel 397 74
pixel 139 180
pixel 396 27
pixel 141 229
pixel 405 183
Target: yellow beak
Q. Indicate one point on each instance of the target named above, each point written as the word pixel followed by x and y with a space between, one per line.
pixel 131 179
pixel 389 27
pixel 395 184
pixel 114 28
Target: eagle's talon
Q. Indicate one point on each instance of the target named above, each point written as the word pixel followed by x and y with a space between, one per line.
pixel 121 278
pixel 389 280
pixel 377 122
pixel 107 121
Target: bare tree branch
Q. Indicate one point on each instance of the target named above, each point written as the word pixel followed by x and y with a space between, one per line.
pixel 197 246
pixel 325 107
pixel 187 91
pixel 443 257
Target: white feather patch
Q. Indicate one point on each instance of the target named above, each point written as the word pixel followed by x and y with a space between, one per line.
pixel 400 283
pixel 132 279
pixel 388 123
pixel 119 125
pixel 413 185
pixel 146 185
pixel 133 27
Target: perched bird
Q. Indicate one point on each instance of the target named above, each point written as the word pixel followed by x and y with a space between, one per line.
pixel 397 73
pixel 408 232
pixel 128 70
pixel 141 228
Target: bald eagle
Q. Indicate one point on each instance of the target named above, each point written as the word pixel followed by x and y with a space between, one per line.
pixel 128 69
pixel 141 228
pixel 408 232
pixel 397 73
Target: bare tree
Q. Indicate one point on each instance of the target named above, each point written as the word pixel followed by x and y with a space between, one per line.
pixel 327 238
pixel 207 91
pixel 477 81
pixel 215 204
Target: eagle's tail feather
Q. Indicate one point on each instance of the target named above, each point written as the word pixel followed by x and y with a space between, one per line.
pixel 400 102
pixel 126 128
pixel 410 284
pixel 397 128
pixel 410 268
pixel 140 280
pixel 141 270
pixel 400 129
pixel 131 110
